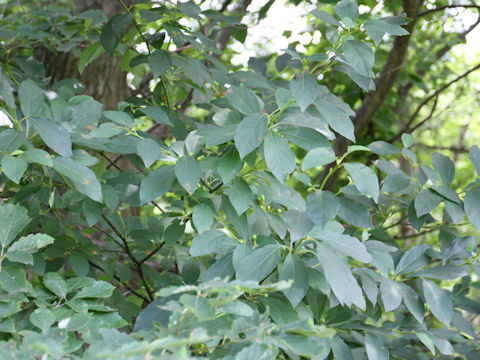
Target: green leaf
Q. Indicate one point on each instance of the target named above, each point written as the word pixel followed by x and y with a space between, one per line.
pixel 119 117
pixel 55 136
pixel 32 99
pixel 439 302
pixel 38 156
pixel 354 213
pixel 345 244
pixel 377 28
pixel 442 272
pixel 318 157
pixel 391 294
pixel 375 346
pixel 149 151
pixel 250 133
pixel 6 92
pixel 156 183
pixel 347 9
pixel 413 302
pixel 359 55
pixel 298 224
pixel 240 195
pixel 202 217
pixel 322 206
pixel 30 243
pixel 339 276
pixel 304 137
pixel 364 178
pixel 82 177
pixel 472 206
pixel 160 61
pixel 304 89
pixel 244 100
pixel 113 30
pixel 211 242
pixel 260 263
pixel 13 167
pixel 279 157
pixel 198 305
pixel 42 318
pixel 56 284
pixel 97 289
pixel 188 172
pixel 325 17
pixel 383 148
pixel 79 263
pixel 444 167
pixel 229 165
pixel 459 248
pixel 412 259
pixel 475 157
pixel 426 201
pixel 11 140
pixel 157 114
pixel 294 269
pixel 340 349
pixel 13 218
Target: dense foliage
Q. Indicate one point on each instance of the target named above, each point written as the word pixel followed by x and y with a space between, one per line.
pixel 220 238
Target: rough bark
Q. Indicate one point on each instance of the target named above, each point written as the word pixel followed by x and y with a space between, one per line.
pixel 103 78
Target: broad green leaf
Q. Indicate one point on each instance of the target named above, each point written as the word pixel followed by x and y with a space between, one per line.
pixel 391 293
pixel 32 99
pixel 81 176
pixel 407 140
pixel 298 224
pixel 30 243
pixel 79 263
pixel 322 206
pixel 56 284
pixel 6 92
pixel 149 151
pixel 156 183
pixel 86 115
pixel 359 55
pixel 439 301
pixel 325 17
pixel 229 165
pixel 119 117
pixel 98 289
pixel 304 89
pixel 190 271
pixel 339 276
pixel 160 61
pixel 38 156
pixel 250 133
pixel 354 213
pixel 240 195
pixel 340 349
pixel 279 157
pixel 396 183
pixel 154 312
pixel 377 28
pixel 113 30
pixel 294 269
pixel 13 167
pixel 459 248
pixel 472 206
pixel 260 263
pixel 244 100
pixel 198 305
pixel 347 9
pixel 375 347
pixel 304 137
pixel 412 259
pixel 202 217
pixel 442 272
pixel 211 242
pixel 55 135
pixel 427 340
pixel 426 201
pixel 444 167
pixel 475 157
pixel 282 96
pixel 413 302
pixel 222 268
pixel 188 172
pixel 42 318
pixel 364 178
pixel 345 244
pixel 157 114
pixel 318 157
pixel 236 307
pixel 11 140
pixel 13 218
pixel 454 211
pixel 383 148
